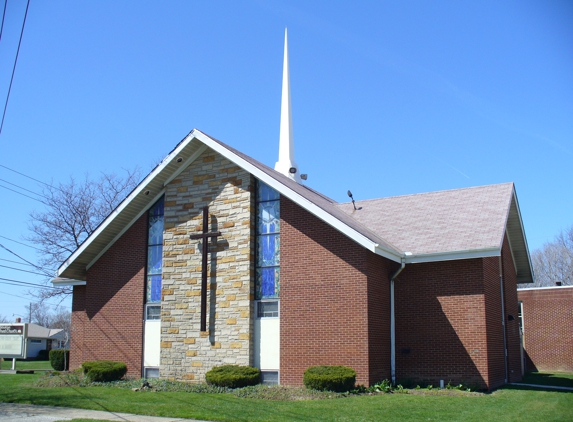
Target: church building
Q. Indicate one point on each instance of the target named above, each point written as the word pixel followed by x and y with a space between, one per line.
pixel 216 258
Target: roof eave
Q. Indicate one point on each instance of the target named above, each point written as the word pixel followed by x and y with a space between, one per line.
pixel 452 255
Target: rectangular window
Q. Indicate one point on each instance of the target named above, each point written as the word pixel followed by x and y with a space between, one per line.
pixel 151 373
pixel 35 341
pixel 267 277
pixel 153 312
pixel 155 252
pixel 268 309
pixel 269 377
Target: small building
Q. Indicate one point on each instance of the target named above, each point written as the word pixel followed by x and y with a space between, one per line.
pixel 547 323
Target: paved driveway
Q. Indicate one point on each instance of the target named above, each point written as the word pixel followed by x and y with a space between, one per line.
pixel 31 413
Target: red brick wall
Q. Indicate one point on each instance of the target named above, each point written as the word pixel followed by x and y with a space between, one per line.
pixel 379 271
pixel 79 318
pixel 324 301
pixel 494 326
pixel 441 324
pixel 114 297
pixel 548 328
pixel 511 315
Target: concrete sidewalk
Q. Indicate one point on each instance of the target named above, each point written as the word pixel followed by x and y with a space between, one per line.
pixel 33 413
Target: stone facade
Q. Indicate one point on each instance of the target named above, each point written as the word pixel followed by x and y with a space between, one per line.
pixel 186 352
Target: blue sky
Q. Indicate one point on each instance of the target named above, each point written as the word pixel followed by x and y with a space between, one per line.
pixel 389 97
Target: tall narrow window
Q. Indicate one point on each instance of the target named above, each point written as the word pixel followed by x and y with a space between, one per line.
pixel 154 257
pixel 268 244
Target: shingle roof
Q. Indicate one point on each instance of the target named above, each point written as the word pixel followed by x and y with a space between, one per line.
pixel 465 222
pixel 37 331
pixel 439 222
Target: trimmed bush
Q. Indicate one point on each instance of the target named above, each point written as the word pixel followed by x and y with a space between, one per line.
pixel 104 370
pixel 233 376
pixel 43 355
pixel 60 359
pixel 330 378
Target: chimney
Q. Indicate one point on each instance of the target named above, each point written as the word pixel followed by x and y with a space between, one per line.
pixel 18 320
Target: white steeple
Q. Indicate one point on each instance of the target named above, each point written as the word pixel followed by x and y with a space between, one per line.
pixel 286 164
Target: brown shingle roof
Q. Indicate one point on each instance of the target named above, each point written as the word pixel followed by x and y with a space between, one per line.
pixel 439 222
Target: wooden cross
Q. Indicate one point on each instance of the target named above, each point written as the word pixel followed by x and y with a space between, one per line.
pixel 205 237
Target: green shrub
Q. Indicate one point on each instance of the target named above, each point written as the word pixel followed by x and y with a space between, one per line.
pixel 330 378
pixel 60 359
pixel 43 355
pixel 233 376
pixel 104 370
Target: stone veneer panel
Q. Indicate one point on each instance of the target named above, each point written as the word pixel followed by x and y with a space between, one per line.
pixel 187 353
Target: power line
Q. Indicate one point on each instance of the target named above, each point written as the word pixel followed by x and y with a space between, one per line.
pixel 14 68
pixel 50 304
pixel 25 283
pixel 20 263
pixel 3 16
pixel 20 187
pixel 15 241
pixel 23 194
pixel 29 177
pixel 24 271
pixel 25 260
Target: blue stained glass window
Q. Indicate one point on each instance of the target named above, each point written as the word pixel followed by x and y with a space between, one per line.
pixel 267 283
pixel 155 230
pixel 268 286
pixel 269 217
pixel 158 207
pixel 154 288
pixel 155 251
pixel 266 193
pixel 154 259
pixel 268 250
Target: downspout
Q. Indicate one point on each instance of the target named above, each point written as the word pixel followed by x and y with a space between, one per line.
pixel 503 314
pixel 393 323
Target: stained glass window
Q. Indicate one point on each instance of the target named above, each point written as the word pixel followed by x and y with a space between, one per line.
pixel 268 243
pixel 154 252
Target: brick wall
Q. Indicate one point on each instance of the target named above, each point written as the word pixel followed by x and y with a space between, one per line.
pixel 494 325
pixel 379 271
pixel 79 319
pixel 326 279
pixel 514 367
pixel 110 306
pixel 548 328
pixel 440 323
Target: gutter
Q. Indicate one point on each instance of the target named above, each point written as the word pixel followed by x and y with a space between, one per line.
pixel 393 319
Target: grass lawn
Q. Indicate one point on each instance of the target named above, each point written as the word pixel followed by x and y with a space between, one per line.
pixel 509 404
pixel 560 379
pixel 27 364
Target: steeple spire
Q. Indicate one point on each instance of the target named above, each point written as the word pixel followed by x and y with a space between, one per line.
pixel 286 163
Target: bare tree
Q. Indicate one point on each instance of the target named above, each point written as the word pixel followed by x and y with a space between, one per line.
pixel 553 262
pixel 73 211
pixel 39 314
pixel 3 319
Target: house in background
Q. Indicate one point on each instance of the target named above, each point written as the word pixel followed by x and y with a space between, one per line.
pixel 547 323
pixel 34 338
pixel 42 338
pixel 216 258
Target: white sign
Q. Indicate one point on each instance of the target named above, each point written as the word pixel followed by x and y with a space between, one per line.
pixel 12 341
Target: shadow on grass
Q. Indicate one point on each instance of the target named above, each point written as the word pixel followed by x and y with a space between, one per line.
pixel 541 388
pixel 557 379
